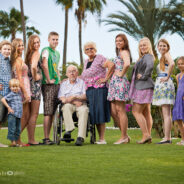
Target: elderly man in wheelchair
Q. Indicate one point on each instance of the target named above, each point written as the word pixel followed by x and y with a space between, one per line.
pixel 72 93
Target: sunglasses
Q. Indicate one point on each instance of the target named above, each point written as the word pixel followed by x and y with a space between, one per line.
pixel 89 49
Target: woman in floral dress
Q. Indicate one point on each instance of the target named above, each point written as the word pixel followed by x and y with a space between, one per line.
pixel 119 87
pixel 164 92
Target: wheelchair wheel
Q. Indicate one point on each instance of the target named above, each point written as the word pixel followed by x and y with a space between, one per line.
pixel 92 134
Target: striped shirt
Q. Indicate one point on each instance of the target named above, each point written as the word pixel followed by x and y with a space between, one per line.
pixel 14 100
pixel 5 74
pixel 67 89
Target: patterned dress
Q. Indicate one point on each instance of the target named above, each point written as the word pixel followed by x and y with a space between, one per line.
pixel 25 79
pixel 164 92
pixel 178 110
pixel 119 86
pixel 35 85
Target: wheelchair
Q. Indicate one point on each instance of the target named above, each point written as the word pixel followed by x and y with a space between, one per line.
pixel 58 127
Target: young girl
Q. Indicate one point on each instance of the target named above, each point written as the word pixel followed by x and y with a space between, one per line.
pixel 119 87
pixel 20 72
pixel 178 110
pixel 164 92
pixel 34 73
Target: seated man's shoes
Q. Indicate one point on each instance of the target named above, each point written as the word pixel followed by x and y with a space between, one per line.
pixel 79 141
pixel 67 135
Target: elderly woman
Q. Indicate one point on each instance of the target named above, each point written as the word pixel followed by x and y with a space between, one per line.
pixel 141 89
pixel 96 77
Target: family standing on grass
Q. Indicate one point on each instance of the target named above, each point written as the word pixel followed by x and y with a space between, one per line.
pixel 103 83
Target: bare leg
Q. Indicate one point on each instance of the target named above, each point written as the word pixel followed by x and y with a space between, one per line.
pixel 166 112
pixel 137 111
pixel 181 127
pixel 35 104
pixel 123 120
pixel 47 125
pixel 101 131
pixel 148 117
pixel 114 112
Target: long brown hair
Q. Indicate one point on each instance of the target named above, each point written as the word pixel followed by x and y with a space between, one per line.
pixel 30 48
pixel 14 53
pixel 163 59
pixel 125 46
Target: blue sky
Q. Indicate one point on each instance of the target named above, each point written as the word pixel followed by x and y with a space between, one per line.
pixel 46 16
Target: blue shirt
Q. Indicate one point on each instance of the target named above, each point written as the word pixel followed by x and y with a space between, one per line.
pixel 14 100
pixel 5 74
pixel 67 89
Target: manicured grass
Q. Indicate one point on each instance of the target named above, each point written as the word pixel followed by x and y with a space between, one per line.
pixel 92 164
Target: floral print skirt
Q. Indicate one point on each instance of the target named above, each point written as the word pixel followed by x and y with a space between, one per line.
pixel 118 89
pixel 164 92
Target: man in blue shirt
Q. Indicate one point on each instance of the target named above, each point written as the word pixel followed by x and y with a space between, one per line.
pixel 72 93
pixel 5 76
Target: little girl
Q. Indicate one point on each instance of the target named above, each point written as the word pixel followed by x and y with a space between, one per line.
pixel 178 110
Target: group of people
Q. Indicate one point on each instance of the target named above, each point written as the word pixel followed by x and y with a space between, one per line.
pixel 103 84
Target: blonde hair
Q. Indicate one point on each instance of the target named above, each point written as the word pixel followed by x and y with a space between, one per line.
pixel 5 42
pixel 150 51
pixel 14 52
pixel 180 59
pixel 163 59
pixel 14 83
pixel 93 44
pixel 30 48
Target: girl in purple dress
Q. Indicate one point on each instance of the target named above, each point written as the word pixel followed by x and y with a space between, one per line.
pixel 178 110
pixel 119 87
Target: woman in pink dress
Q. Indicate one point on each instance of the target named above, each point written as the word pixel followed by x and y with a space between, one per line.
pixel 20 72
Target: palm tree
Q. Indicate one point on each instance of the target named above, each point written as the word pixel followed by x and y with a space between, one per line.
pixel 23 24
pixel 174 17
pixel 84 6
pixel 67 4
pixel 10 24
pixel 144 19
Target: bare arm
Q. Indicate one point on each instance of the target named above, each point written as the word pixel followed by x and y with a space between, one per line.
pixel 125 56
pixel 171 66
pixel 34 61
pixel 10 110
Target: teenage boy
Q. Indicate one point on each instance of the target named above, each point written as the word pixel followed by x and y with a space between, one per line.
pixel 5 76
pixel 50 83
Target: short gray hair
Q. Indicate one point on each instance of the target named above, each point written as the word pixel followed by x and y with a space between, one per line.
pixel 70 67
pixel 93 44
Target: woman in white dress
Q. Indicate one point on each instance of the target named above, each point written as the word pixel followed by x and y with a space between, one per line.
pixel 164 91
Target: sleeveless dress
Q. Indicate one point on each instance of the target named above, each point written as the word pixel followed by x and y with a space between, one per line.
pixel 164 92
pixel 119 86
pixel 178 110
pixel 35 85
pixel 25 79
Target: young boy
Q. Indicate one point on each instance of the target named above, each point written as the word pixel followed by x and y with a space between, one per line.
pixel 5 76
pixel 13 102
pixel 50 83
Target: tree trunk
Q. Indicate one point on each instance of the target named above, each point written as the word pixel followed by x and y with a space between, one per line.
pixel 23 25
pixel 12 36
pixel 65 38
pixel 80 41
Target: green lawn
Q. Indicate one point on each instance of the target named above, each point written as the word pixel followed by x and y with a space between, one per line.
pixel 92 164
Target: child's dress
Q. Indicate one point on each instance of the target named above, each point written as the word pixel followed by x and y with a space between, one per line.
pixel 178 110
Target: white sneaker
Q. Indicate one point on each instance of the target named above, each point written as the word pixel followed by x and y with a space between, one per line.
pixel 101 142
pixel 181 143
pixel 3 145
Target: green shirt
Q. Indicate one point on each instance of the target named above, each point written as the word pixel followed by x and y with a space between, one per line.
pixel 53 61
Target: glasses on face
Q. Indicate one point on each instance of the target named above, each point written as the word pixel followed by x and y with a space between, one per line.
pixel 89 49
pixel 72 71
